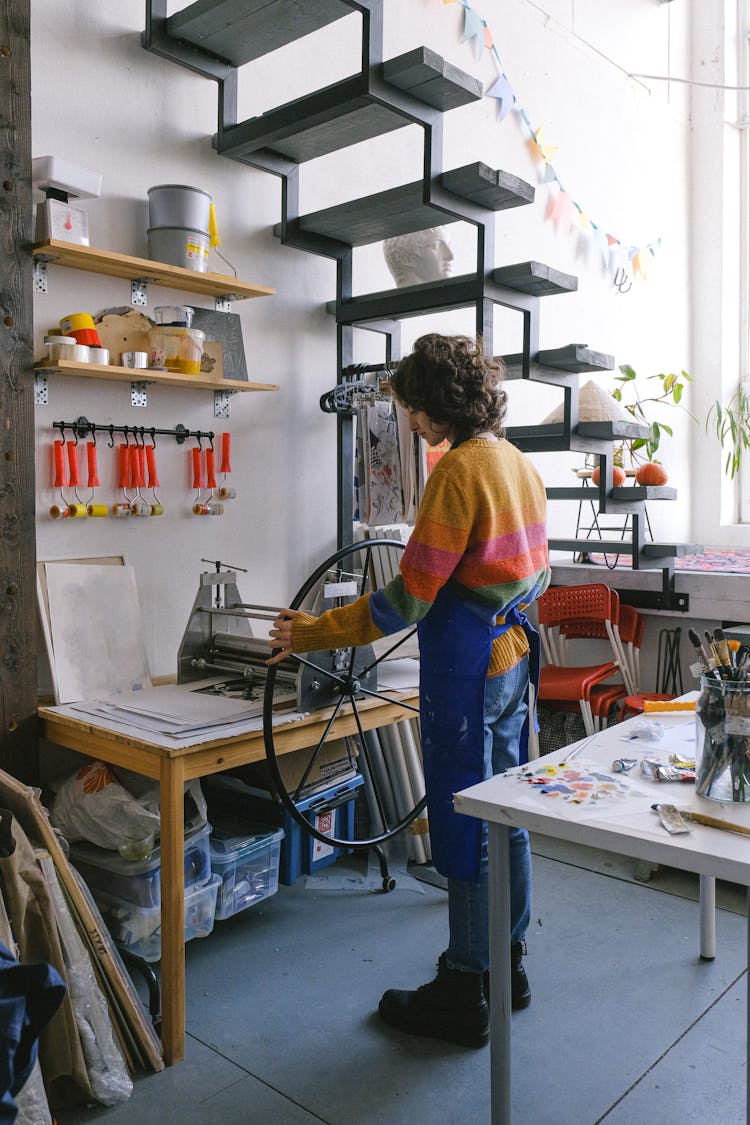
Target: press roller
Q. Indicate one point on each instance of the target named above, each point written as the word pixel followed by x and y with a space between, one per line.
pixel 219 641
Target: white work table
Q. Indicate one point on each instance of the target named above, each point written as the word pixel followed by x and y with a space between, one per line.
pixel 620 819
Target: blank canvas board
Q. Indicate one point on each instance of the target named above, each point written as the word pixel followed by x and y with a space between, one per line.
pixel 95 628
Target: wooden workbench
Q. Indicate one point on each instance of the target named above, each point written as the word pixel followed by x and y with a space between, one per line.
pixel 172 768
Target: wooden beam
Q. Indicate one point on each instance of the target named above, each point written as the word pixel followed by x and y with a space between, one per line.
pixel 18 682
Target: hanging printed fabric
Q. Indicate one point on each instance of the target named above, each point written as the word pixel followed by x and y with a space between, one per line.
pixel 386 499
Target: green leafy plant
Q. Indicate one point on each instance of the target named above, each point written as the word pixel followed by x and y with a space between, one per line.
pixel 669 391
pixel 732 427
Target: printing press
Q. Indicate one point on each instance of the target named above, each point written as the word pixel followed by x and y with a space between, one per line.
pixel 219 643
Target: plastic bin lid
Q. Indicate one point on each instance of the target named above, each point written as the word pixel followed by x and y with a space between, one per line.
pixel 112 861
pixel 232 841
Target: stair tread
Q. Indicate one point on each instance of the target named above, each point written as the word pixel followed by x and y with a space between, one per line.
pixel 398 210
pixel 409 300
pixel 488 187
pixel 326 121
pixel 426 75
pixel 535 278
pixel 571 358
pixel 626 493
pixel 671 550
pixel 242 30
pixel 606 431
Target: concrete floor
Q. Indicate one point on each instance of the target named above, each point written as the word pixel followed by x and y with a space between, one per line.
pixel 627 1025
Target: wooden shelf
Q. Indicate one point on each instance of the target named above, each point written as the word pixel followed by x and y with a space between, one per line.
pixel 144 375
pixel 143 269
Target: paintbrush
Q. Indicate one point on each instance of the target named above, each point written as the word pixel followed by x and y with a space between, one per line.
pixel 722 649
pixel 703 658
pixel 701 818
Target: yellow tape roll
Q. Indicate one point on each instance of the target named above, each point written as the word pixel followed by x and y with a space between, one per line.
pixel 157 509
pixel 98 510
pixel 76 510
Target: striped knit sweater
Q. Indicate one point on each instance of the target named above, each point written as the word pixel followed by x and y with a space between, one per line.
pixel 481 526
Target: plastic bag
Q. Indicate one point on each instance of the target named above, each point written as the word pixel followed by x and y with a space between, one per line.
pixel 92 805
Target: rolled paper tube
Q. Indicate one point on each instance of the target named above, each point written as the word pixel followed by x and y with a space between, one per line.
pixel 91 459
pixel 56 512
pixel 196 455
pixel 228 493
pixel 59 464
pixel 210 472
pixel 226 440
pixel 74 478
pixel 157 509
pixel 153 480
pixel 121 510
pixel 77 510
pixel 98 510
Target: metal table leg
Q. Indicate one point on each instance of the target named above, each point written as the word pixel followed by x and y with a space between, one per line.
pixel 499 921
pixel 707 896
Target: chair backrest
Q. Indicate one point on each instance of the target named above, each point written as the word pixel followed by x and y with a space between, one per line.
pixel 590 611
pixel 565 604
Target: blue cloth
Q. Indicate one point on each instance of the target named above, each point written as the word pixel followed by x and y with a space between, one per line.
pixel 505 714
pixel 29 997
pixel 455 645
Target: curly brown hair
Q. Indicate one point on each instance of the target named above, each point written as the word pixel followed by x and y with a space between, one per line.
pixel 454 383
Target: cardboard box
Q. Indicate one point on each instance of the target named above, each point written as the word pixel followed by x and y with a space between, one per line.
pixel 336 762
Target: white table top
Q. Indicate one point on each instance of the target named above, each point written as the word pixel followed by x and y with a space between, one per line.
pixel 615 813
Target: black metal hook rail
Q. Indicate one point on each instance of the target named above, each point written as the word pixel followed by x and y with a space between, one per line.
pixel 81 428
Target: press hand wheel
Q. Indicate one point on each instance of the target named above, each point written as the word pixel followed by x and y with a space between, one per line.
pixel 385 770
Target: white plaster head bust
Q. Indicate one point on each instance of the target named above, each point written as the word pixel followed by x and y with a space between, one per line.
pixel 424 255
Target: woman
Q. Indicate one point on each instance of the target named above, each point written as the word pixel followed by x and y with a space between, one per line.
pixel 478 552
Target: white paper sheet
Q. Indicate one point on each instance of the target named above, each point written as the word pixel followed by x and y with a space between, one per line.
pixel 95 624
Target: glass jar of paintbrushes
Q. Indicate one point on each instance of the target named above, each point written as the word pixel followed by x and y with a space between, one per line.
pixel 722 729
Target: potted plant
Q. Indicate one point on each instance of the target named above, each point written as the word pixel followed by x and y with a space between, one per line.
pixel 732 427
pixel 669 391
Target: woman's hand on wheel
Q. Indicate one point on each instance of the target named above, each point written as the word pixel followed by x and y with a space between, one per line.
pixel 280 635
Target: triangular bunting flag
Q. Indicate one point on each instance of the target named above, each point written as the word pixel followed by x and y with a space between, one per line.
pixel 501 89
pixel 474 30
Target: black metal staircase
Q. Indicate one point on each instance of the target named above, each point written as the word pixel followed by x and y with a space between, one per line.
pixel 216 37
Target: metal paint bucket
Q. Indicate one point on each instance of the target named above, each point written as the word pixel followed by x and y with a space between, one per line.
pixel 179 246
pixel 177 205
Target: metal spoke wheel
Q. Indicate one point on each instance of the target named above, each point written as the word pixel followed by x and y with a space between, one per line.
pixel 343 680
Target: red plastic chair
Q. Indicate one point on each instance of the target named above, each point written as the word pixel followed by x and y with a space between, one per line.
pixel 565 613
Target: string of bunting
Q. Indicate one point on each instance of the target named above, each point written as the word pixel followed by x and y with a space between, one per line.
pixel 623 262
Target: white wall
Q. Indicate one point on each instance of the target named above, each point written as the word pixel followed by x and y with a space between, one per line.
pixel 102 101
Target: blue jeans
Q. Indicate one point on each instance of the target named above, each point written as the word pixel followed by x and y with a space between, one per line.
pixel 505 710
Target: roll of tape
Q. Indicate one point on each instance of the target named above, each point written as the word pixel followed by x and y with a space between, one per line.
pixel 77 510
pixel 98 510
pixel 157 510
pixel 134 359
pixel 216 510
pixel 121 510
pixel 58 513
pixel 228 493
pixel 200 509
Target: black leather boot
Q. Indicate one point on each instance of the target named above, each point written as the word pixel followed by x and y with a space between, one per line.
pixel 520 993
pixel 451 1007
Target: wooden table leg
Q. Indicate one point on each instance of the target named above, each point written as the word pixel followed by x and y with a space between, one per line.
pixel 172 910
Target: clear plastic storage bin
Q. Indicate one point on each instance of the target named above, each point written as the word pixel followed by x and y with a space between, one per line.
pixel 247 862
pixel 139 880
pixel 138 928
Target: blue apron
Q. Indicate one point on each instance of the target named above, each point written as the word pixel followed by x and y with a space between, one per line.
pixel 455 646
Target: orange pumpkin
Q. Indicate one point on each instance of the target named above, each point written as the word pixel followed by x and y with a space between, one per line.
pixel 651 473
pixel 618 476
